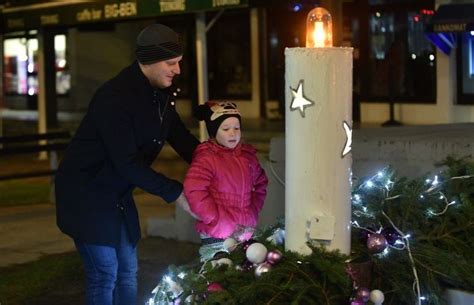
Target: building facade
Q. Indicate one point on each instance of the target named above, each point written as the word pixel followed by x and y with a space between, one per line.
pixel 399 74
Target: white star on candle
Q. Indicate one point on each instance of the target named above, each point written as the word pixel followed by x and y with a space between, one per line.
pixel 348 145
pixel 299 101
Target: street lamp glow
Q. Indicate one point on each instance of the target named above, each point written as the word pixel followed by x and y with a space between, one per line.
pixel 318 28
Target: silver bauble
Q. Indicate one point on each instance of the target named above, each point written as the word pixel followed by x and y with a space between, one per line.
pixel 262 268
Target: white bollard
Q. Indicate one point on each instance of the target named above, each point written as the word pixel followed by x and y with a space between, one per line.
pixel 318 94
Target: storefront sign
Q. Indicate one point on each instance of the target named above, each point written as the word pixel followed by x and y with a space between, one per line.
pixel 172 6
pixel 450 27
pixel 49 19
pixel 68 13
pixel 88 15
pixel 218 3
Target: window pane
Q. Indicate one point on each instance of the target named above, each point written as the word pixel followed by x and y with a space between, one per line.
pixel 63 77
pixel 228 44
pixel 421 70
pixel 382 46
pixel 467 63
pixel 21 66
pixel 32 67
pixel 471 56
pixel 401 60
pixel 15 60
pixel 283 30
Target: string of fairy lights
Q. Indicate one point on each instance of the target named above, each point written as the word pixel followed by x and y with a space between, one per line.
pixel 382 181
pixel 169 288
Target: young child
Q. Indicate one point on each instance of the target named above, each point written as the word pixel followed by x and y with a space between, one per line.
pixel 225 184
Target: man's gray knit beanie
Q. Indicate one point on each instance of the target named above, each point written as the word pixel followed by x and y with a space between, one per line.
pixel 157 42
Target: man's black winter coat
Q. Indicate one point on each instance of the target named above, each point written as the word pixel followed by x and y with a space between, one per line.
pixel 111 153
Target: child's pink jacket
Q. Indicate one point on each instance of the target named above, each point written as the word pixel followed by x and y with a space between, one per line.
pixel 225 187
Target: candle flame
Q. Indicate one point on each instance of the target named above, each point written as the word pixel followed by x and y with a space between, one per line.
pixel 319 35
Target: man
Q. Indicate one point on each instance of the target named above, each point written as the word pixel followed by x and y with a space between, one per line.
pixel 128 121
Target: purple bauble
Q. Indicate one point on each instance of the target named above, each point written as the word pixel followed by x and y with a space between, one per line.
pixel 391 235
pixel 363 294
pixel 357 302
pixel 376 243
pixel 274 256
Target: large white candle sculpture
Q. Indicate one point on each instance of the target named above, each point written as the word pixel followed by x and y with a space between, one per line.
pixel 318 81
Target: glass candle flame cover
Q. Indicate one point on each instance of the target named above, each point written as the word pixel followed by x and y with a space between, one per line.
pixel 318 28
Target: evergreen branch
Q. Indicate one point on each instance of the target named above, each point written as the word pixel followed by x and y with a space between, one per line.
pixel 304 274
pixel 432 270
pixel 274 298
pixel 289 280
pixel 313 282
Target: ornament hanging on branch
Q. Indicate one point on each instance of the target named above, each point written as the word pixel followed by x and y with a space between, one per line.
pixel 391 235
pixel 274 256
pixel 363 294
pixel 376 243
pixel 222 262
pixel 278 237
pixel 256 253
pixel 262 268
pixel 230 244
pixel 377 297
pixel 213 287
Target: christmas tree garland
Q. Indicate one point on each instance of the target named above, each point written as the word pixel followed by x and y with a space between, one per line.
pixel 411 240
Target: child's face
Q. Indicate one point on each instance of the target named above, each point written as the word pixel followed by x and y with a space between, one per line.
pixel 228 134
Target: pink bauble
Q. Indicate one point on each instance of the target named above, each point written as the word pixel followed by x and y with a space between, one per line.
pixel 274 256
pixel 213 287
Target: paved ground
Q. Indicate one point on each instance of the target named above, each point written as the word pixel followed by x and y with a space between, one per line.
pixel 30 232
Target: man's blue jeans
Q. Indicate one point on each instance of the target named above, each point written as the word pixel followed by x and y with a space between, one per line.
pixel 111 272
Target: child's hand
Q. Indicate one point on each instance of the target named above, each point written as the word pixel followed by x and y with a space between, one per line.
pixel 243 233
pixel 182 202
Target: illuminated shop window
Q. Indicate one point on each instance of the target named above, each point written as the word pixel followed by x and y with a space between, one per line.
pixel 63 78
pixel 20 66
pixel 401 59
pixel 15 62
pixel 471 55
pixel 465 68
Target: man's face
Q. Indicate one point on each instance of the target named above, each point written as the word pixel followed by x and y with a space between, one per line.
pixel 161 74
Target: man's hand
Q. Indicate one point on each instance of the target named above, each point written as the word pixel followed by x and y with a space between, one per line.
pixel 182 202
